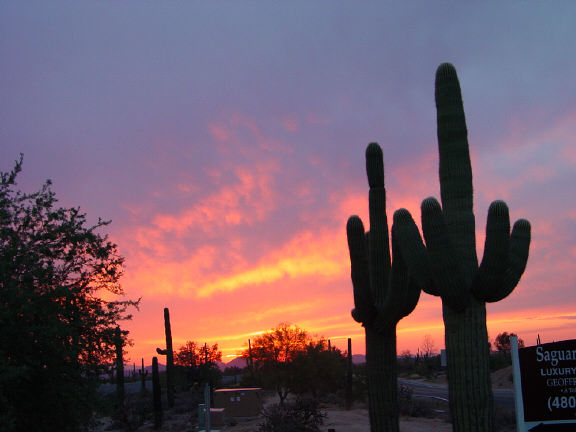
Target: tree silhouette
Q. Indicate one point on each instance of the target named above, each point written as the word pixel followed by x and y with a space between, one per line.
pixel 502 342
pixel 57 332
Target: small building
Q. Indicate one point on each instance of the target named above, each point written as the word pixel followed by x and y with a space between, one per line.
pixel 239 402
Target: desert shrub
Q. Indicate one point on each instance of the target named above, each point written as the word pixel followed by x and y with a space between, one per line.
pixel 405 401
pixel 302 415
pixel 359 382
pixel 414 407
pixel 137 408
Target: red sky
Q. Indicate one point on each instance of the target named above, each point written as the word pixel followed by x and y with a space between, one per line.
pixel 226 144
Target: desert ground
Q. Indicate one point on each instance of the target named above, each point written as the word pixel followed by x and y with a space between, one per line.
pixel 354 420
pixel 179 418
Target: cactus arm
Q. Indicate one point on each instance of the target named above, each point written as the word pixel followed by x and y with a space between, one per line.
pixel 413 251
pixel 490 275
pixel 408 297
pixel 364 310
pixel 517 260
pixel 447 273
pixel 455 168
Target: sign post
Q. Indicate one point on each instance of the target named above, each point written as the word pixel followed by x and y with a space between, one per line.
pixel 545 386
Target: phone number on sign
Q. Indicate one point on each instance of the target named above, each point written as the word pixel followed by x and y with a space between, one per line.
pixel 561 402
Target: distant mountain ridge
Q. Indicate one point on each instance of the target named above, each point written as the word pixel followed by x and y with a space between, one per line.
pixel 239 362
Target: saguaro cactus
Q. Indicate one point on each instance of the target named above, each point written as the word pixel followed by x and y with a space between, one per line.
pixel 448 265
pixel 383 294
pixel 156 394
pixel 348 395
pixel 169 353
pixel 143 372
pixel 119 345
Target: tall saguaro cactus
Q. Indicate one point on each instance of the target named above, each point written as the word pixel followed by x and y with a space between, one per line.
pixel 383 294
pixel 169 353
pixel 448 265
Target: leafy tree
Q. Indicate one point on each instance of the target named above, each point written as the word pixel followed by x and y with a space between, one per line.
pixel 318 370
pixel 57 332
pixel 503 358
pixel 187 355
pixel 273 353
pixel 279 345
pixel 502 342
pixel 289 360
pixel 192 354
pixel 200 362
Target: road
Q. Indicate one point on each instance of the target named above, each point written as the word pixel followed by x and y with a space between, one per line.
pixel 504 398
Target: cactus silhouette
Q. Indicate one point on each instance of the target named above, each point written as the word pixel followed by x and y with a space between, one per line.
pixel 383 293
pixel 169 353
pixel 156 394
pixel 143 372
pixel 448 265
pixel 119 345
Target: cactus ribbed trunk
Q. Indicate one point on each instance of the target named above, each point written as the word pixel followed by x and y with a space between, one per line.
pixel 381 368
pixel 471 400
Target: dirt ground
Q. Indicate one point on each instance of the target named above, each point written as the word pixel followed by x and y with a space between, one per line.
pixel 355 420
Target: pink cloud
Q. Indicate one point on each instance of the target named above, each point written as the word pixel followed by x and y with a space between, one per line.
pixel 290 124
pixel 219 132
pixel 247 200
pixel 242 133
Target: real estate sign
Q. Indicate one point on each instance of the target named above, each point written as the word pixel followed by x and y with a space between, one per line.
pixel 546 388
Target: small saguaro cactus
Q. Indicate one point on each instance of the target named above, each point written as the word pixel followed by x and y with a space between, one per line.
pixel 448 265
pixel 156 394
pixel 119 345
pixel 383 294
pixel 348 395
pixel 143 372
pixel 169 353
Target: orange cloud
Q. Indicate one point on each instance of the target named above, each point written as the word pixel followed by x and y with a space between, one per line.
pixel 250 199
pixel 306 254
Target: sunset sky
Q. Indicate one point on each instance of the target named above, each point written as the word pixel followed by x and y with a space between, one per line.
pixel 225 140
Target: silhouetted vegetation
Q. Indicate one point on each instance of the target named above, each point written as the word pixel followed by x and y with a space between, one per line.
pixel 169 353
pixel 447 264
pixel 56 334
pixel 302 415
pixel 383 292
pixel 197 364
pixel 288 360
pixel 502 357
